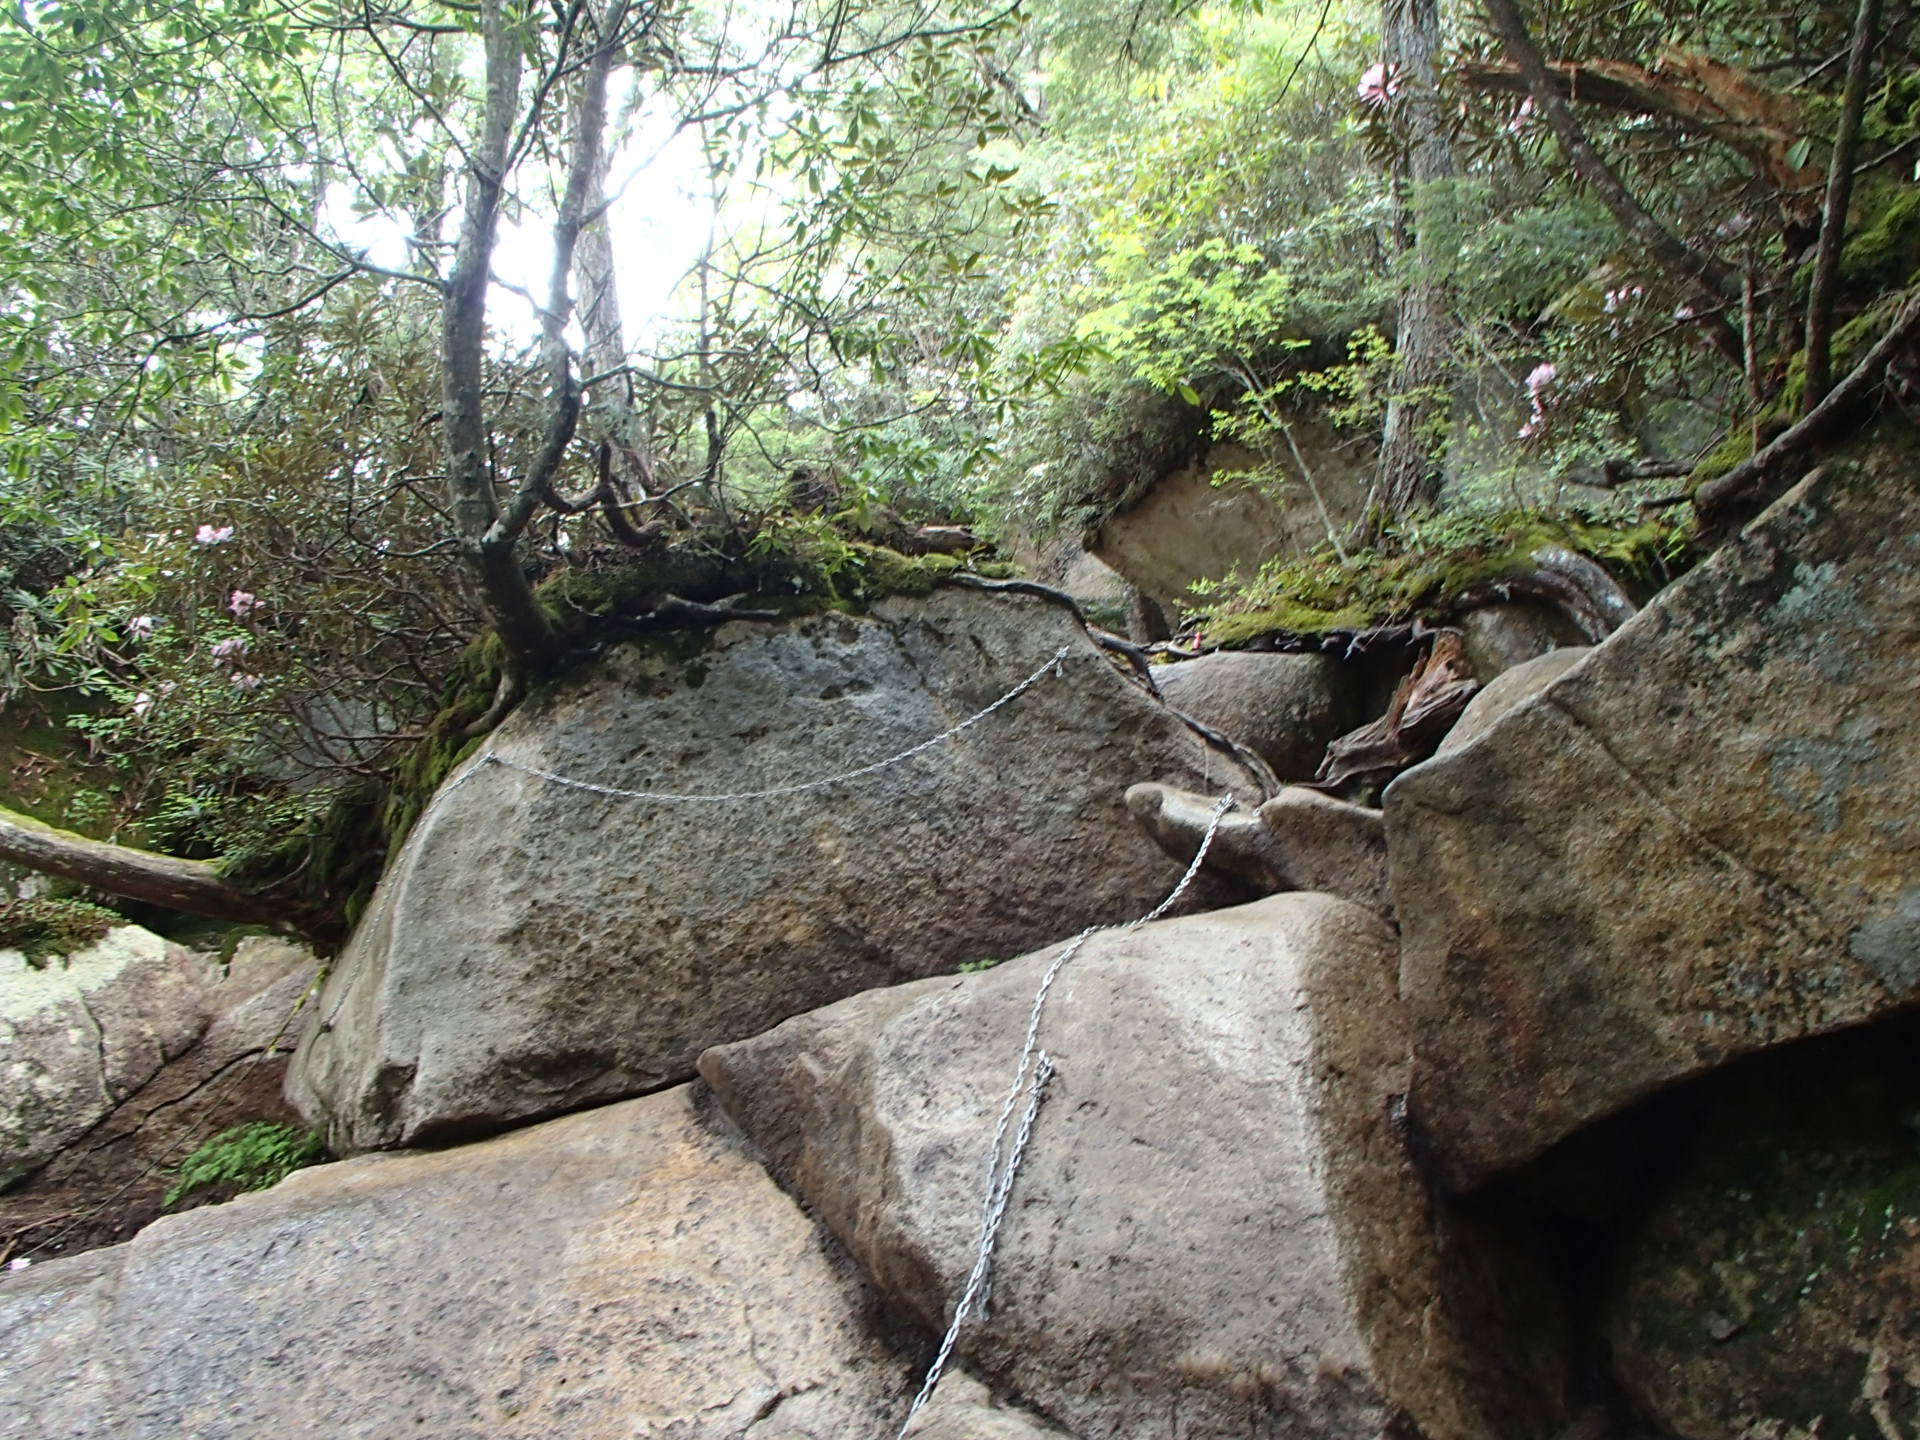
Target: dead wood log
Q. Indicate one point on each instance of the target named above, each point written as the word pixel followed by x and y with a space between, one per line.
pixel 1424 708
pixel 195 887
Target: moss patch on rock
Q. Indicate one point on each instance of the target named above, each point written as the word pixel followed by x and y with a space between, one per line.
pixel 1772 1281
pixel 1419 570
pixel 44 928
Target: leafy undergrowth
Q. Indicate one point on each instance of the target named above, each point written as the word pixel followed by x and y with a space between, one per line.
pixel 1421 567
pixel 247 1157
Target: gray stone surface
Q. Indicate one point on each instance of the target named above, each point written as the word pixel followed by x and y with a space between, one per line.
pixel 628 1272
pixel 109 1181
pixel 1285 708
pixel 1299 840
pixel 1509 690
pixel 1215 1232
pixel 80 1033
pixel 1205 520
pixel 535 948
pixel 1700 842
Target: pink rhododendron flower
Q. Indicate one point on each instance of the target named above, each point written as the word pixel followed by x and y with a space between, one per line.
pixel 245 681
pixel 1379 85
pixel 1539 382
pixel 242 603
pixel 228 651
pixel 140 627
pixel 212 535
pixel 142 703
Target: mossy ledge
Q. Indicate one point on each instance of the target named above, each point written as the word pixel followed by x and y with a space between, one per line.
pixel 1427 570
pixel 617 600
pixel 43 927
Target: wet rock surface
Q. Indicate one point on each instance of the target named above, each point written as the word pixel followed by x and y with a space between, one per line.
pixel 1215 1231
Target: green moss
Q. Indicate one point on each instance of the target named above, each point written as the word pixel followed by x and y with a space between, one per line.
pixel 1850 344
pixel 43 928
pixel 1884 247
pixel 1420 569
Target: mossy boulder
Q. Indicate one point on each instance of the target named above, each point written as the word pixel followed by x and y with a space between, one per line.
pixel 536 946
pixel 1773 1287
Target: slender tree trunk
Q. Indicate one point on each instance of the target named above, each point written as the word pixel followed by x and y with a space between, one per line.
pixel 192 886
pixel 1833 216
pixel 1411 443
pixel 1711 283
pixel 615 420
pixel 524 629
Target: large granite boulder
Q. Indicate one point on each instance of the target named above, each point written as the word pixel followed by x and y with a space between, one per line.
pixel 536 947
pixel 111 1179
pixel 1499 637
pixel 1285 708
pixel 1699 842
pixel 80 1033
pixel 1216 1228
pixel 620 1273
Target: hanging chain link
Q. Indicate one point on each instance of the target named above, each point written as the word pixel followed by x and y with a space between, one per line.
pixel 801 787
pixel 1030 1079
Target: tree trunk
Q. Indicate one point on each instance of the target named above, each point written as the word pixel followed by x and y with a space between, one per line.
pixel 525 631
pixel 1411 442
pixel 193 886
pixel 615 421
pixel 1833 216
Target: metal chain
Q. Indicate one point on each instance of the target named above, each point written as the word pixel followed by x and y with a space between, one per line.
pixel 1036 1069
pixel 798 788
pixel 1051 666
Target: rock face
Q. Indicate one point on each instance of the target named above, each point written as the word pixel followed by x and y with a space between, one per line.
pixel 1700 842
pixel 1285 708
pixel 535 948
pixel 1189 529
pixel 1773 1287
pixel 232 1073
pixel 82 1032
pixel 1215 1231
pixel 625 1272
pixel 1298 840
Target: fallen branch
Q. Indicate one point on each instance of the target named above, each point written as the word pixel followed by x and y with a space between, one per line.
pixel 1704 94
pixel 195 887
pixel 1839 403
pixel 727 609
